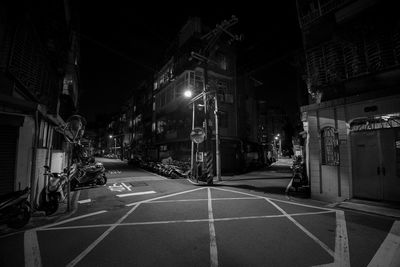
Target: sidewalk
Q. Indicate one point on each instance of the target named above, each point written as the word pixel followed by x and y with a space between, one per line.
pixel 373 207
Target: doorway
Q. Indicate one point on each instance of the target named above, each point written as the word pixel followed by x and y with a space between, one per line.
pixel 376 161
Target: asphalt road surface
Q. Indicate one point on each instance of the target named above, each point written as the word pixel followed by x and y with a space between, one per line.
pixel 142 219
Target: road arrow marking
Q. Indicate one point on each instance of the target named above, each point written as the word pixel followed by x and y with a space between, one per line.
pixel 127 187
pixel 136 194
pixel 116 187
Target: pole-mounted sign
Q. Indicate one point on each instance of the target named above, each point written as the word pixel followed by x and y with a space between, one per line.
pixel 197 135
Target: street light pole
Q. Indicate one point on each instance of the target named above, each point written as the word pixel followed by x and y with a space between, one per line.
pixel 192 151
pixel 115 146
pixel 217 151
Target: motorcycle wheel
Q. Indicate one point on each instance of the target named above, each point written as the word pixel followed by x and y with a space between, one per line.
pixel 23 216
pixel 51 206
pixel 102 180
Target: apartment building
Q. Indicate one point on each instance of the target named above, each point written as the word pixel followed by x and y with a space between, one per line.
pixel 352 51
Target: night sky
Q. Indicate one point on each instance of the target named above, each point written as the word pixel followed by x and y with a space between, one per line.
pixel 123 44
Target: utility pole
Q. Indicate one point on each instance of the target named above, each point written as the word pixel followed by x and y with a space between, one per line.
pixel 211 38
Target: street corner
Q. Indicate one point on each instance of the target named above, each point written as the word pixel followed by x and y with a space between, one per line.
pixel 275 242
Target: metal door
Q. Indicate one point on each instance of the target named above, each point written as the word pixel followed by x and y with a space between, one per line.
pixel 366 165
pixel 390 146
pixel 8 150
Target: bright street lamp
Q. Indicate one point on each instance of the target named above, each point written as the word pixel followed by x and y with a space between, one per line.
pixel 188 93
pixel 115 143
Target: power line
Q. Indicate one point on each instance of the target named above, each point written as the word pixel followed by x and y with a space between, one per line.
pixel 118 53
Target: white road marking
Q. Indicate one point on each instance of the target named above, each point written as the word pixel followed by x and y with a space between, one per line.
pixel 388 253
pixel 342 254
pixel 31 249
pixel 274 199
pixel 319 242
pixel 170 195
pixel 98 240
pixel 186 221
pixel 313 237
pixel 116 187
pixel 201 199
pixel 213 240
pixel 84 201
pixel 72 219
pixel 127 187
pixel 136 194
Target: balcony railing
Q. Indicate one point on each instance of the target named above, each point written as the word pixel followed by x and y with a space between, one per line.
pixel 310 10
pixel 339 60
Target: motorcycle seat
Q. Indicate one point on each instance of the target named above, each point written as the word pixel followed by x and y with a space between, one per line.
pixel 92 170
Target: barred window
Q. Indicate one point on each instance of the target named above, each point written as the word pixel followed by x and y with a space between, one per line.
pixel 329 146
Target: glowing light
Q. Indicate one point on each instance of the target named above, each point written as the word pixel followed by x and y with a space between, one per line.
pixel 188 93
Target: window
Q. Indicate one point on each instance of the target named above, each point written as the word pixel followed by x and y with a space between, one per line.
pixel 222 62
pixel 223 119
pixel 329 146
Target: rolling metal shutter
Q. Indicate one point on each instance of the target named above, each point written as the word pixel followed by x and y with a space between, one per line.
pixel 8 150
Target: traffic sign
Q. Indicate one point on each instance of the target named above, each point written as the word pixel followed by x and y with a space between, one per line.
pixel 197 135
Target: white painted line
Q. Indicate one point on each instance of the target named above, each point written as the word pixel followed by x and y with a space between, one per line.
pixel 136 194
pixel 127 187
pixel 342 253
pixel 213 240
pixel 31 249
pixel 155 174
pixel 388 253
pixel 98 240
pixel 274 199
pixel 234 191
pixel 72 219
pixel 313 237
pixel 170 195
pixel 77 227
pixel 84 201
pixel 270 216
pixel 185 221
pixel 201 199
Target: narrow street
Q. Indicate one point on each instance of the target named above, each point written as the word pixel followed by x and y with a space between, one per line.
pixel 142 219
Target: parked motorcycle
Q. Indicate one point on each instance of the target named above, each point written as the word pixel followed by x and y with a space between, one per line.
pixel 299 176
pixel 15 210
pixel 92 174
pixel 55 191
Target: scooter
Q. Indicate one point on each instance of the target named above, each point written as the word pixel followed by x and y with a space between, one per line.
pixel 15 210
pixel 93 174
pixel 55 191
pixel 298 178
